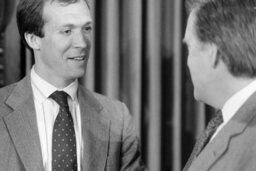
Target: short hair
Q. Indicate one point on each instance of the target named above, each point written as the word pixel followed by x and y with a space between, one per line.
pixel 231 26
pixel 30 16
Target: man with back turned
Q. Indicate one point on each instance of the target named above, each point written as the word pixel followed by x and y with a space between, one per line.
pixel 221 40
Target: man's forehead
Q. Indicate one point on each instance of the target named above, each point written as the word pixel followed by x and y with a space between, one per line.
pixel 190 28
pixel 62 1
pixel 57 5
pixel 66 2
pixel 75 12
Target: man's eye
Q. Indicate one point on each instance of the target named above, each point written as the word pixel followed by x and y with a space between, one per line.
pixel 67 32
pixel 87 28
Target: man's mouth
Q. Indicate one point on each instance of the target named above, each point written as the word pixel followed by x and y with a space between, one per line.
pixel 77 58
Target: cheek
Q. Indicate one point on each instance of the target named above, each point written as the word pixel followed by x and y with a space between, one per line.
pixel 193 59
pixel 190 62
pixel 61 46
pixel 194 67
pixel 57 43
pixel 88 41
pixel 55 53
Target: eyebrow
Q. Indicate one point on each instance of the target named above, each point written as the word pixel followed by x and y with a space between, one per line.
pixel 72 25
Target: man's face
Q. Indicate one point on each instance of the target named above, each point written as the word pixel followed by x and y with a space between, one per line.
pixel 65 47
pixel 199 62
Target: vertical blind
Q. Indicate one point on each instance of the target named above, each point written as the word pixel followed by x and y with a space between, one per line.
pixel 138 58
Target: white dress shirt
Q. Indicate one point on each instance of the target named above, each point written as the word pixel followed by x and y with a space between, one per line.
pixel 233 104
pixel 46 113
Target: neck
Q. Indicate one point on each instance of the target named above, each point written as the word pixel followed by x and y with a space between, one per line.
pixel 227 89
pixel 56 81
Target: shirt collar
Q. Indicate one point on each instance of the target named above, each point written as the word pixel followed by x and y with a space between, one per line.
pixel 237 100
pixel 45 89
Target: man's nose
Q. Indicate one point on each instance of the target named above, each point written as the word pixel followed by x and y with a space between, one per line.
pixel 80 40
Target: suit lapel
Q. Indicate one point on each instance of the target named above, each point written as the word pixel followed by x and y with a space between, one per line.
pixel 22 126
pixel 218 146
pixel 95 131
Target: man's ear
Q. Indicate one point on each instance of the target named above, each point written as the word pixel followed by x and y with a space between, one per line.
pixel 214 55
pixel 32 40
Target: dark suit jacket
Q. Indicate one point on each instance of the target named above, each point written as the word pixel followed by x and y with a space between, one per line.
pixel 109 136
pixel 234 147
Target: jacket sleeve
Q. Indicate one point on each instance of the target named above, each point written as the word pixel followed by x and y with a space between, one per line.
pixel 130 147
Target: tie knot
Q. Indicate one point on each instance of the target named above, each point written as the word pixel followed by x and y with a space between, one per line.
pixel 61 98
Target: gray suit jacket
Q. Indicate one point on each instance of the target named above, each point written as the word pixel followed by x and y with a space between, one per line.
pixel 234 147
pixel 109 136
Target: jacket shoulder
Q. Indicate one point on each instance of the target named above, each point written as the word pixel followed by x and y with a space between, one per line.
pixel 6 91
pixel 112 109
pixel 105 101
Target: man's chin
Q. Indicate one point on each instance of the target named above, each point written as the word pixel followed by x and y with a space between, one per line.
pixel 202 99
pixel 76 74
pixel 197 97
pixel 79 75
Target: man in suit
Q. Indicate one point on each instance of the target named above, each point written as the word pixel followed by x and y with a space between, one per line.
pixel 50 122
pixel 221 40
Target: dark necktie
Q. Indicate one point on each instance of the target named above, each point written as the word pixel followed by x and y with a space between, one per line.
pixel 64 156
pixel 204 138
